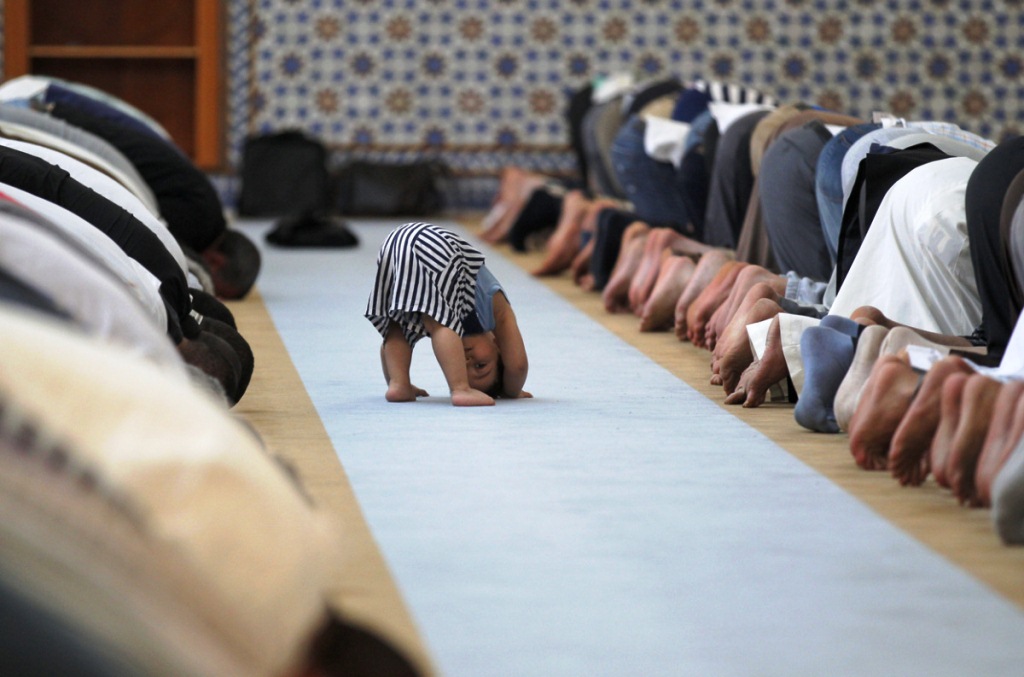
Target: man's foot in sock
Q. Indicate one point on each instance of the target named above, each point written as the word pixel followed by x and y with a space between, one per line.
pixel 826 354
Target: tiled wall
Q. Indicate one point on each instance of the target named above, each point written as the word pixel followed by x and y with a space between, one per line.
pixel 483 83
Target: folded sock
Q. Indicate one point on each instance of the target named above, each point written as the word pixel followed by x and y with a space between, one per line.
pixel 827 355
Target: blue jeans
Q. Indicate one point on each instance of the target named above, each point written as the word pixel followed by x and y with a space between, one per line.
pixel 828 186
pixel 661 194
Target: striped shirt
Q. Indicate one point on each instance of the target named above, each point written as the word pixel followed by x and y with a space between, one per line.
pixel 423 270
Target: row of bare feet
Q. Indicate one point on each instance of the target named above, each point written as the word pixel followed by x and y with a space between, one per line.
pixel 951 423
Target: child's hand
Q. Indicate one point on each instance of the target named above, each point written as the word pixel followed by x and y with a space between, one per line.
pixel 524 395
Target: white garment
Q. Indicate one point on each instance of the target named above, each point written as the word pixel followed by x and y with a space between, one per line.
pixel 665 139
pixel 726 113
pixel 107 187
pixel 915 262
pixel 15 131
pixel 213 562
pixel 791 328
pixel 141 283
pixel 80 286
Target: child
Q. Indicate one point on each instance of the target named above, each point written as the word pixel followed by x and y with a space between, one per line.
pixel 431 282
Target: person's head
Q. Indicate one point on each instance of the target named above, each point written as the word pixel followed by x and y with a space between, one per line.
pixel 210 306
pixel 215 357
pixel 483 363
pixel 234 263
pixel 241 348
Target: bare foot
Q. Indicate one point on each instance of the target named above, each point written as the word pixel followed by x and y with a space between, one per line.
pixel 733 351
pixel 564 243
pixel 887 396
pixel 470 397
pixel 581 266
pixel 616 292
pixel 1004 433
pixel 949 421
pixel 869 344
pixel 659 311
pixel 751 276
pixel 735 329
pixel 707 267
pixel 657 247
pixel 710 298
pixel 515 189
pixel 979 398
pixel 761 375
pixel 908 451
pixel 403 392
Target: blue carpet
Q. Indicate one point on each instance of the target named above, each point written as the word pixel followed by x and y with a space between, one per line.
pixel 619 523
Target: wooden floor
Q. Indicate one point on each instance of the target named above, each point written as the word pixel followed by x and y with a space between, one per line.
pixel 279 408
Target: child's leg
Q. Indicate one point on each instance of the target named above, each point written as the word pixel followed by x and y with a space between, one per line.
pixel 451 356
pixel 396 358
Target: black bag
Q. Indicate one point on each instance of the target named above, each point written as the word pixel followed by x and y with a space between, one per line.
pixel 283 173
pixel 312 231
pixel 363 188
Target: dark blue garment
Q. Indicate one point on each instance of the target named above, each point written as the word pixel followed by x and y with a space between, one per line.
pixel 828 184
pixel 55 93
pixel 661 195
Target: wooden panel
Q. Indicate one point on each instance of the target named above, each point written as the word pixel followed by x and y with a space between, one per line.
pixel 112 22
pixel 165 58
pixel 162 89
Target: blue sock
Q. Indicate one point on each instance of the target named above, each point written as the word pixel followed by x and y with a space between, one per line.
pixel 827 355
pixel 842 324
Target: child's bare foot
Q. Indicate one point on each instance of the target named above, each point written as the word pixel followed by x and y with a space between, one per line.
pixel 470 397
pixel 1004 433
pixel 887 396
pixel 404 392
pixel 908 451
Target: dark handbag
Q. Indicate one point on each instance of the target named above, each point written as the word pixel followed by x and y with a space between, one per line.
pixel 283 173
pixel 363 188
pixel 312 231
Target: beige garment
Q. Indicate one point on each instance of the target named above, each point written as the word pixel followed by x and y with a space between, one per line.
pixel 188 549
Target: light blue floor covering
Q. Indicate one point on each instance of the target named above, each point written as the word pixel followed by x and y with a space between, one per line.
pixel 619 523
